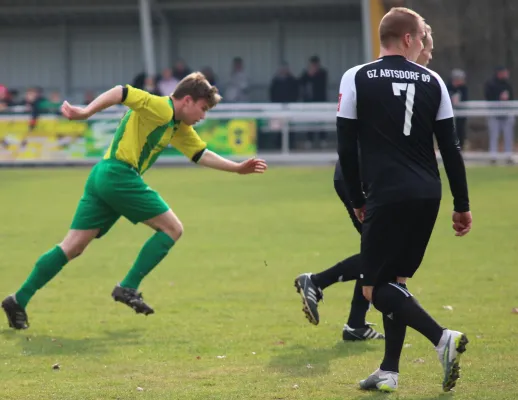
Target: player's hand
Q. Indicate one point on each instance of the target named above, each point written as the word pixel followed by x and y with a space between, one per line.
pixel 252 166
pixel 367 292
pixel 461 222
pixel 73 112
pixel 360 213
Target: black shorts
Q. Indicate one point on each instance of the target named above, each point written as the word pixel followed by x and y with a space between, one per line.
pixel 395 237
pixel 341 191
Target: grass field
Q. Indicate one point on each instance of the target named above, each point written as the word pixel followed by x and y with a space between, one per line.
pixel 226 289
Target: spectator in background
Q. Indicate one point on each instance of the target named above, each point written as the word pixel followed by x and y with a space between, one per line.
pixel 138 81
pixel 284 87
pixel 13 97
pixel 167 83
pixel 458 93
pixel 52 104
pixel 180 70
pixel 34 102
pixel 4 98
pixel 499 89
pixel 151 87
pixel 313 83
pixel 237 87
pixel 209 75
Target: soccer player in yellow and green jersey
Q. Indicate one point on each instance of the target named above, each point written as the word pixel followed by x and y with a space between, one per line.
pixel 115 186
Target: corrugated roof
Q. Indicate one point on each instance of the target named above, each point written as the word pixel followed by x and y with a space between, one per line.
pixel 128 15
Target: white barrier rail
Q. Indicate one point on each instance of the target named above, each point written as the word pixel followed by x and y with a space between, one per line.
pixel 301 117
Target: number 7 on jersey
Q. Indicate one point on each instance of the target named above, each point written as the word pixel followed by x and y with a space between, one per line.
pixel 409 88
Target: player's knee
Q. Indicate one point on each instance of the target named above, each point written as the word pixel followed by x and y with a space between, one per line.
pixel 73 249
pixel 173 229
pixel 76 242
pixel 389 297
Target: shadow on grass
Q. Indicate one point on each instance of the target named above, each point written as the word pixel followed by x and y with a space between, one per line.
pixel 394 396
pixel 45 345
pixel 300 360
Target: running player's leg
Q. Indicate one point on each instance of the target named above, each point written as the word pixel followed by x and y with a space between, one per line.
pixel 132 198
pixel 356 328
pixel 93 218
pixel 310 286
pixel 349 268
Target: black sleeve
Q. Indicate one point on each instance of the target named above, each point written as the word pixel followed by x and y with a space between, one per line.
pixel 198 155
pixel 124 93
pixel 347 135
pixel 453 163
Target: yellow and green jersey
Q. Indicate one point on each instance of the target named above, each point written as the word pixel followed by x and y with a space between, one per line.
pixel 148 128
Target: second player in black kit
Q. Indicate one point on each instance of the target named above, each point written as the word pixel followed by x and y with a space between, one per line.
pixel 391 109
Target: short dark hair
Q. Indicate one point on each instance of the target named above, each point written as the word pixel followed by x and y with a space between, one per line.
pixel 398 22
pixel 428 30
pixel 197 86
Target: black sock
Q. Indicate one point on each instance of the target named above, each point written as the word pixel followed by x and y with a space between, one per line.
pixel 413 315
pixel 395 332
pixel 345 270
pixel 359 308
pixel 394 299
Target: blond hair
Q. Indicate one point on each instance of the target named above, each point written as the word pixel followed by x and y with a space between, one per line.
pixel 398 22
pixel 428 30
pixel 198 87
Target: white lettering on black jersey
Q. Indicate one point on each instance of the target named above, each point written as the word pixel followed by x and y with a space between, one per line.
pixel 396 104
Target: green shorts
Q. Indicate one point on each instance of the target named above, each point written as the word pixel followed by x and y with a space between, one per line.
pixel 114 189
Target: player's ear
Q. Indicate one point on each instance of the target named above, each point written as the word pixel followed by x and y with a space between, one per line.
pixel 407 39
pixel 187 100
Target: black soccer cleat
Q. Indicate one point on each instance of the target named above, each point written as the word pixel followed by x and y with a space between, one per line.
pixel 132 299
pixel 16 315
pixel 353 334
pixel 311 294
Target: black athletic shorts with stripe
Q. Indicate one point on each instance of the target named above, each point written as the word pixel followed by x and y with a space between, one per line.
pixel 395 237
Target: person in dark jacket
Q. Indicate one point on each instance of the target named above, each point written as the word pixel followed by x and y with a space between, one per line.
pixel 313 85
pixel 499 89
pixel 458 93
pixel 284 87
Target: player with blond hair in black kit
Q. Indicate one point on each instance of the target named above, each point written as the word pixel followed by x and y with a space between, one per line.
pixel 311 286
pixel 391 109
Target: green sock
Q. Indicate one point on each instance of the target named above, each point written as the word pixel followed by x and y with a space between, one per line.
pixel 46 268
pixel 154 251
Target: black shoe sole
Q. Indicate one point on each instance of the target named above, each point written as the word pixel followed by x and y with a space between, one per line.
pixel 309 315
pixel 10 321
pixel 451 381
pixel 147 312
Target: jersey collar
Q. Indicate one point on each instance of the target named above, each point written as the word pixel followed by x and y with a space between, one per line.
pixel 173 122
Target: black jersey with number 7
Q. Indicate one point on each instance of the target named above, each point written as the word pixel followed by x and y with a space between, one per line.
pixel 392 108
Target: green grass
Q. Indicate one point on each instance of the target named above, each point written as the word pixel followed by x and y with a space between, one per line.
pixel 226 289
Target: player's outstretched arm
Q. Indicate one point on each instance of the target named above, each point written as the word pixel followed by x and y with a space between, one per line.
pixel 102 102
pixel 251 166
